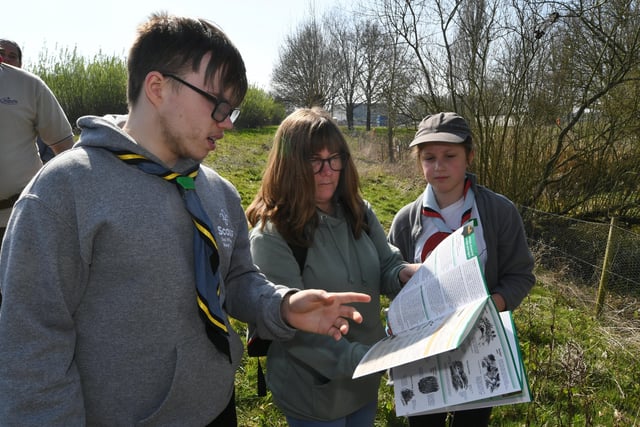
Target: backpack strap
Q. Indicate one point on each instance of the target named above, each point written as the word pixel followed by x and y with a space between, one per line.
pixel 300 254
pixel 257 346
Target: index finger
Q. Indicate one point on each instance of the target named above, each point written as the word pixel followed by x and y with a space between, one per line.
pixel 349 297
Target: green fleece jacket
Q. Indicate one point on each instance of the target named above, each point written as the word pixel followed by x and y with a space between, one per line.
pixel 310 375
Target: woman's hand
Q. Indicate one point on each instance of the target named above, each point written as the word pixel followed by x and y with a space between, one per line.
pixel 501 304
pixel 407 272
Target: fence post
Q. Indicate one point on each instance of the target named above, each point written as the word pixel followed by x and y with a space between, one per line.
pixel 604 276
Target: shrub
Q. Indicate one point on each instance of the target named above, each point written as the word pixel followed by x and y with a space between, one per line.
pixel 83 86
pixel 259 109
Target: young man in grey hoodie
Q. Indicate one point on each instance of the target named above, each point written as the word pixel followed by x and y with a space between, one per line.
pixel 107 328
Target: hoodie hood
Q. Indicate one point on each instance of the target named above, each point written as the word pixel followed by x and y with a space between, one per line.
pixel 106 132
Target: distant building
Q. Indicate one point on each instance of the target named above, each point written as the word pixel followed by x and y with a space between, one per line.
pixel 378 115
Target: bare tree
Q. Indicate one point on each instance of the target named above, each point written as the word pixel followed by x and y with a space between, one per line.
pixel 375 71
pixel 600 46
pixel 396 93
pixel 550 87
pixel 506 70
pixel 389 75
pixel 535 79
pixel 304 76
pixel 409 20
pixel 346 45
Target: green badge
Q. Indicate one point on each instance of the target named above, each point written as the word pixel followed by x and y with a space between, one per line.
pixel 186 182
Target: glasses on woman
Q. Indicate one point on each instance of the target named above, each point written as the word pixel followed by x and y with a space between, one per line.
pixel 221 108
pixel 335 162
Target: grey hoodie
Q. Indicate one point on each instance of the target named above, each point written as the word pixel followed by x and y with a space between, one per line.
pixel 310 375
pixel 99 324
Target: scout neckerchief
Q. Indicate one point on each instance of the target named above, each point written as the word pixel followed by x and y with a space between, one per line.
pixel 431 210
pixel 206 257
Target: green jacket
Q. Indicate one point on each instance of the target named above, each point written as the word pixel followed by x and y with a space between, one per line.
pixel 310 375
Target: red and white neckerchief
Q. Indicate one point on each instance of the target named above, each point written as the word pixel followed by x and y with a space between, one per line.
pixel 431 210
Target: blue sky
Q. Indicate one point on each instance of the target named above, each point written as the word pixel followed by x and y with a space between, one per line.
pixel 257 27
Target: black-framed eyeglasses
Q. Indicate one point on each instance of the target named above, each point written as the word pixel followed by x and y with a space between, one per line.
pixel 221 110
pixel 335 162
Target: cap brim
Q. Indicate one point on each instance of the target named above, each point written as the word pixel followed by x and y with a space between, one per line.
pixel 447 137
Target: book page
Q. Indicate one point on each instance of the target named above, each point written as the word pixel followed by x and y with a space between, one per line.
pixel 425 340
pixel 483 370
pixel 427 296
pixel 524 395
pixel 435 309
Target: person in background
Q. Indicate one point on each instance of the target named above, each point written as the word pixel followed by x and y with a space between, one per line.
pixel 12 54
pixel 28 110
pixel 443 146
pixel 143 254
pixel 309 200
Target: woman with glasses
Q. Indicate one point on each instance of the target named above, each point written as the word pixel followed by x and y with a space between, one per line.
pixel 310 202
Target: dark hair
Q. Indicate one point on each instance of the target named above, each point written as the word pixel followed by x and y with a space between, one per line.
pixel 287 194
pixel 15 45
pixel 174 44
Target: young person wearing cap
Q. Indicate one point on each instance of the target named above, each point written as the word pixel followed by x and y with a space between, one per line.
pixel 444 149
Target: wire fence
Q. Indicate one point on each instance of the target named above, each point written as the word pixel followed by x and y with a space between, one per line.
pixel 576 249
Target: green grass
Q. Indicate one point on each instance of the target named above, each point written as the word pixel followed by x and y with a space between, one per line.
pixel 582 371
pixel 241 157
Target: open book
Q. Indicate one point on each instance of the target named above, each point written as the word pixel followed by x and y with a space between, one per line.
pixel 450 349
